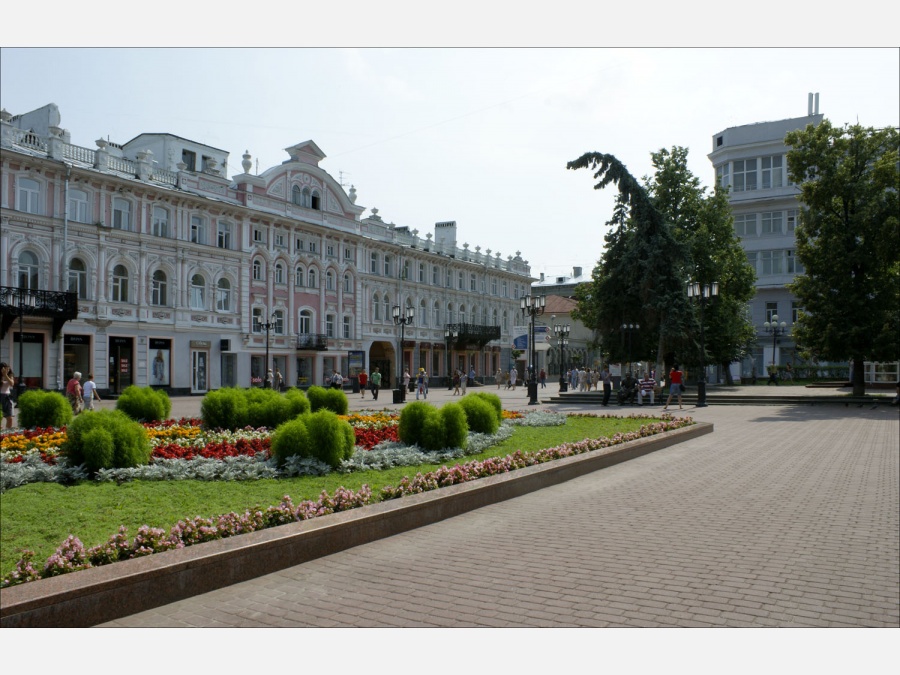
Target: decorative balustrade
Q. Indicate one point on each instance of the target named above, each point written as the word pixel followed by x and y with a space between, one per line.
pixel 123 165
pixel 79 154
pixel 164 176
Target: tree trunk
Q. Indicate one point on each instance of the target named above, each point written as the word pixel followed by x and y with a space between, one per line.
pixel 858 376
pixel 729 380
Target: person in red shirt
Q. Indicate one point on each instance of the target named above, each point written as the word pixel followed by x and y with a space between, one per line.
pixel 73 392
pixel 363 380
pixel 676 378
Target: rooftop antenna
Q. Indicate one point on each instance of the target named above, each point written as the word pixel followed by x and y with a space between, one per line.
pixel 341 175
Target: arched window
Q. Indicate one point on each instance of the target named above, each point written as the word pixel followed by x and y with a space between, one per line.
pixel 29 194
pixel 472 315
pixel 78 278
pixel 461 314
pixel 312 279
pixel 386 306
pixel 223 295
pixel 450 315
pixel 305 198
pixel 348 283
pixel 198 292
pixel 119 284
pixel 279 273
pixel 159 289
pixel 257 270
pixel 121 214
pixel 306 318
pixel 494 318
pixel 295 195
pixel 300 276
pixel 423 313
pixel 376 308
pixel 160 225
pixel 315 202
pixel 28 270
pixel 437 313
pixel 79 206
pixel 329 280
pixel 505 322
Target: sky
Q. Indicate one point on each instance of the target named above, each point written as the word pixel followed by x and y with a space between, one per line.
pixel 476 135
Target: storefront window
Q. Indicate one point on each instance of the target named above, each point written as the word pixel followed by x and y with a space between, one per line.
pixel 160 358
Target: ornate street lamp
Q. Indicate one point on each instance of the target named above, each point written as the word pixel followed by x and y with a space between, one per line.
pixel 630 329
pixel 266 326
pixel 450 335
pixel 562 336
pixel 532 306
pixel 702 294
pixel 403 320
pixel 776 329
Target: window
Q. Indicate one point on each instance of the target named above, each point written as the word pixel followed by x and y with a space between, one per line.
pixel 744 175
pixel 373 262
pixel 305 322
pixel 461 314
pixel 280 240
pixel 348 254
pixel 472 315
pixel 752 258
pixel 312 280
pixel 78 278
pixel 450 315
pixel 279 273
pixel 304 198
pixel 494 318
pixel 459 281
pixel 473 283
pixel 494 286
pixel 795 311
pixel 722 175
pixel 745 225
pixel 791 221
pixel 436 275
pixel 79 206
pixel 300 244
pixel 158 289
pixel 347 331
pixel 159 226
pixel 315 201
pixel 299 276
pixel 771 310
pixel 258 235
pixel 223 238
pixel 448 279
pixel 386 304
pixel 121 214
pixel 29 196
pixel 28 270
pixel 198 292
pixel 313 247
pixel 505 322
pixel 189 158
pixel 206 162
pixel 376 308
pixel 771 222
pixel 436 310
pixel 771 172
pixel 296 197
pixel 329 280
pixel 278 320
pixel 504 289
pixel 223 295
pixel 423 313
pixel 348 284
pixel 119 284
pixel 257 271
pixel 793 265
pixel 405 273
pixel 257 317
pixel 198 230
pixel 387 266
pixel 329 325
pixel 329 250
pixel 770 262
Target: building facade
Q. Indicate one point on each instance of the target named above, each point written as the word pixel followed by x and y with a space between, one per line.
pixel 189 280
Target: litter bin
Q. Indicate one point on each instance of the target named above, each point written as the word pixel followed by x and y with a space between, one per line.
pixel 399 396
pixel 354 384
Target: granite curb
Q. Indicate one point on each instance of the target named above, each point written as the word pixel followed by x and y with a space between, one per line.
pixel 106 593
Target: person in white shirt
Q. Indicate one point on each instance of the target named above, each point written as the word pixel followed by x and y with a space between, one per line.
pixel 647 385
pixel 89 393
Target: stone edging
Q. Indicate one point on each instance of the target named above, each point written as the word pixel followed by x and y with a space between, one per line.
pixel 109 592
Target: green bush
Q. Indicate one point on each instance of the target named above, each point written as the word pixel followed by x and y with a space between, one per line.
pixel 480 415
pixel 225 409
pixel 106 439
pixel 291 438
pixel 299 404
pixel 317 397
pixel 144 404
pixel 431 429
pixel 336 401
pixel 493 400
pixel 39 408
pixel 330 441
pixel 456 431
pixel 412 421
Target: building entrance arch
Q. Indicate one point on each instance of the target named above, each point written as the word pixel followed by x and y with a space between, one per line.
pixel 383 356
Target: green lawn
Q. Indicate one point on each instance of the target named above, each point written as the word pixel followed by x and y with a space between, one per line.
pixel 39 516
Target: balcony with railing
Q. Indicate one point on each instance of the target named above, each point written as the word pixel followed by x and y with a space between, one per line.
pixel 473 334
pixel 21 302
pixel 314 341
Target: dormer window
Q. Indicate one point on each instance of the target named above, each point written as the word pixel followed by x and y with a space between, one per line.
pixel 315 201
pixel 189 158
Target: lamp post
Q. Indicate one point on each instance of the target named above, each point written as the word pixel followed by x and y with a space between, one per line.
pixel 266 326
pixel 450 335
pixel 402 320
pixel 562 336
pixel 775 329
pixel 532 306
pixel 630 329
pixel 702 294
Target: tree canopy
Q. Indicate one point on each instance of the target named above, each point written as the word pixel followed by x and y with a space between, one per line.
pixel 848 241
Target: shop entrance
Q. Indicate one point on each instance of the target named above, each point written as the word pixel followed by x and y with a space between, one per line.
pixel 121 363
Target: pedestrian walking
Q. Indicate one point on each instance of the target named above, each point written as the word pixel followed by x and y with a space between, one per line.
pixel 7 382
pixel 74 393
pixel 499 377
pixel 463 382
pixel 471 381
pixel 406 381
pixel 376 383
pixel 270 378
pixel 456 383
pixel 676 386
pixel 89 392
pixel 543 378
pixel 606 378
pixel 363 380
pixel 420 384
pixel 279 380
pixel 337 380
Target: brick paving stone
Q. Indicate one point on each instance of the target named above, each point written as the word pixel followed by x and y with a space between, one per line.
pixel 785 516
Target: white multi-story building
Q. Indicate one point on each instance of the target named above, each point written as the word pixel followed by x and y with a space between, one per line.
pixel 143 263
pixel 751 159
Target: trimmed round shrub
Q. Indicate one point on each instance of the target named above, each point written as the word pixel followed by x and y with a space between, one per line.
pixel 480 415
pixel 456 430
pixel 106 439
pixel 412 421
pixel 493 400
pixel 291 438
pixel 144 404
pixel 329 439
pixel 225 408
pixel 317 397
pixel 38 408
pixel 299 404
pixel 263 407
pixel 336 401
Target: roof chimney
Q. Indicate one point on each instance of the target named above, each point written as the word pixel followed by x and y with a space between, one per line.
pixel 576 271
pixel 542 276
